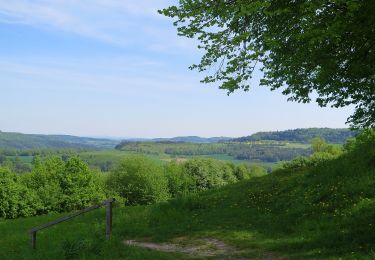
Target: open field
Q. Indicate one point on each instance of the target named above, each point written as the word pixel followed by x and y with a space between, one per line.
pixel 23 159
pixel 107 159
pixel 115 156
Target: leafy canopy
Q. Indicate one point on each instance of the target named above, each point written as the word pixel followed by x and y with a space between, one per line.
pixel 325 47
pixel 139 180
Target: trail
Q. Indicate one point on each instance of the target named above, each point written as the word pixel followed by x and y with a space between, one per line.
pixel 203 247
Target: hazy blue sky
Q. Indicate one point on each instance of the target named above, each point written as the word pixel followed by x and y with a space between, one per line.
pixel 117 68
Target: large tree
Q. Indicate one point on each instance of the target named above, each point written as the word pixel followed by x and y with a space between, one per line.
pixel 319 48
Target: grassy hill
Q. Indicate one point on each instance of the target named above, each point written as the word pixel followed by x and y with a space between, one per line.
pixel 31 141
pixel 303 135
pixel 325 211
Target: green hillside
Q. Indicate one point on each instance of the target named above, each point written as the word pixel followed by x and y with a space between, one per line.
pixel 302 135
pixel 191 139
pixel 316 209
pixel 267 151
pixel 32 141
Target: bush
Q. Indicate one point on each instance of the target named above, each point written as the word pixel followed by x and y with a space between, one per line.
pixel 44 181
pixel 63 186
pixel 179 182
pixel 364 140
pixel 245 171
pixel 303 162
pixel 325 152
pixel 208 173
pixel 79 188
pixel 15 199
pixel 139 180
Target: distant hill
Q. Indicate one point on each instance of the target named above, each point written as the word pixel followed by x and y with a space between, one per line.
pixel 192 139
pixel 302 135
pixel 180 139
pixel 31 141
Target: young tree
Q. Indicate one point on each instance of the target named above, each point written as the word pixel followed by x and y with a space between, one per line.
pixel 15 199
pixel 318 144
pixel 44 181
pixel 79 186
pixel 322 46
pixel 208 173
pixel 179 181
pixel 139 180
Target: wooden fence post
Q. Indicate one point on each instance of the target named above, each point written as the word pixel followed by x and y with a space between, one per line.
pixel 108 203
pixel 108 230
pixel 33 239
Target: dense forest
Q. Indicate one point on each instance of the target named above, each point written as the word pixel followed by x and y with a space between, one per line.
pixel 304 135
pixel 32 141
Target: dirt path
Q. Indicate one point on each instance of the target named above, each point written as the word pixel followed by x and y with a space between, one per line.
pixel 203 247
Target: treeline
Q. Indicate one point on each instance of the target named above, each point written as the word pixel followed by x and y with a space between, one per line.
pixel 266 152
pixel 32 141
pixel 250 152
pixel 19 160
pixel 322 151
pixel 42 151
pixel 191 149
pixel 337 136
pixel 15 164
pixel 55 185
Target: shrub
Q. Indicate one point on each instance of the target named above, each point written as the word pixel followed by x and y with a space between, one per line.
pixel 44 180
pixel 228 172
pixel 63 186
pixel 15 199
pixel 364 140
pixel 245 171
pixel 78 185
pixel 208 173
pixel 139 180
pixel 179 182
pixel 53 185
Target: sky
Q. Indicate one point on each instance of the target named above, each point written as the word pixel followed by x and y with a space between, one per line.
pixel 117 68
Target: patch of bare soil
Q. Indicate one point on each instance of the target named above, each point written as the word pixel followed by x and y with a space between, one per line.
pixel 197 248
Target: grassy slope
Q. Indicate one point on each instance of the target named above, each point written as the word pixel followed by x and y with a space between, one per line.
pixel 324 212
pixel 84 234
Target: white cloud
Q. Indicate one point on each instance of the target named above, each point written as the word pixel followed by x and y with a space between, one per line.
pixel 139 7
pixel 123 75
pixel 119 22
